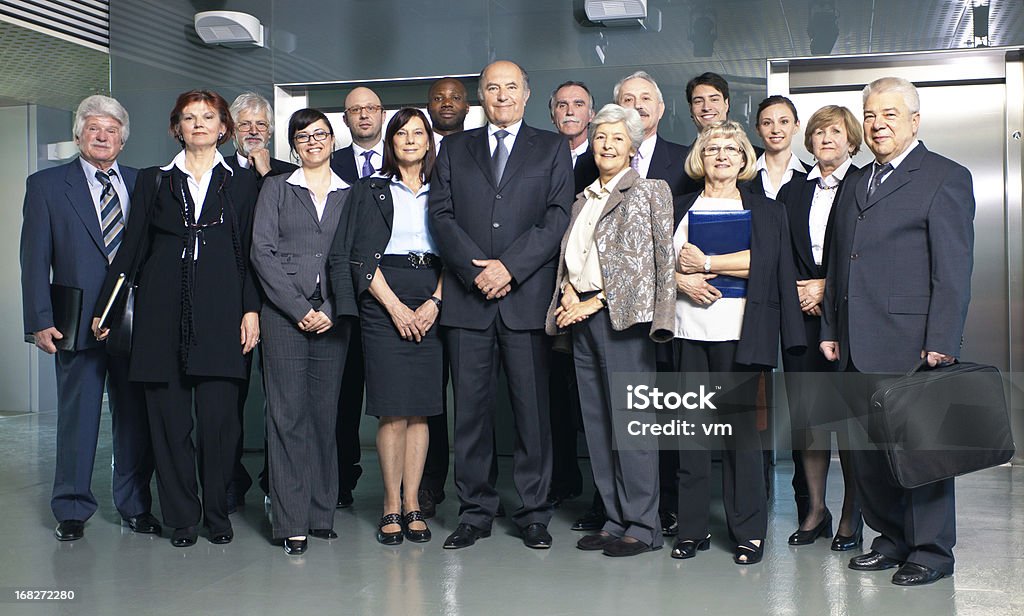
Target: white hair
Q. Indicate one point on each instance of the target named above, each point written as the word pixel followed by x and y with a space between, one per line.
pixel 612 114
pixel 894 84
pixel 98 105
pixel 253 103
pixel 637 75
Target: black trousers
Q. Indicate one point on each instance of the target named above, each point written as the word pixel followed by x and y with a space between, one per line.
pixel 917 525
pixel 566 422
pixel 476 356
pixel 170 406
pixel 350 411
pixel 744 493
pixel 241 481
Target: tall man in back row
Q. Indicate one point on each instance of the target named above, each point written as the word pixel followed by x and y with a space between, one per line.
pixel 499 205
pixel 898 293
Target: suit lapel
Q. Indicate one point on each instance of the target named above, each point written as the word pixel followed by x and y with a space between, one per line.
pixel 616 197
pixel 799 216
pixel 81 202
pixel 382 195
pixel 896 179
pixel 480 151
pixel 520 153
pixel 302 194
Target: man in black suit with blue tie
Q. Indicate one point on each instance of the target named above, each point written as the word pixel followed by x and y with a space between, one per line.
pixel 74 219
pixel 499 205
pixel 897 293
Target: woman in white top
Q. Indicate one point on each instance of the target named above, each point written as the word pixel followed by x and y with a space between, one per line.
pixel 833 135
pixel 778 168
pixel 304 343
pixel 732 332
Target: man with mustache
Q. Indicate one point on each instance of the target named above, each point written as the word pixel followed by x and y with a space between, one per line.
pixel 75 217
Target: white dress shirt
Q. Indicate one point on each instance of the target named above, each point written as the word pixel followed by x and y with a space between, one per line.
pixel 376 159
pixel 197 187
pixel 821 205
pixel 723 319
pixel 644 154
pixel 243 161
pixel 792 166
pixel 582 262
pixel 580 151
pixel 510 138
pixel 409 229
pixel 96 189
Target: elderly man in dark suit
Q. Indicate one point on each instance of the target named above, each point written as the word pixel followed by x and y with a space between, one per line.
pixel 499 204
pixel 74 220
pixel 897 293
pixel 254 127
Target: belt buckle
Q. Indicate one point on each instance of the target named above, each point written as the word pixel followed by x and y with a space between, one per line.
pixel 419 259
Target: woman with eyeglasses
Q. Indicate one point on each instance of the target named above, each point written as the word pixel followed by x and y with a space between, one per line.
pixel 387 260
pixel 304 341
pixel 196 313
pixel 732 303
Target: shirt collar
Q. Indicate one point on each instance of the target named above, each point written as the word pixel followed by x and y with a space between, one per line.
pixel 597 190
pixel 794 163
pixel 396 181
pixel 513 129
pixel 582 149
pixel 378 149
pixel 179 162
pixel 298 178
pixel 835 177
pixel 899 159
pixel 90 171
pixel 243 160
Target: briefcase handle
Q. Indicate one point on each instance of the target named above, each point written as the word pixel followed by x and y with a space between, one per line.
pixel 923 365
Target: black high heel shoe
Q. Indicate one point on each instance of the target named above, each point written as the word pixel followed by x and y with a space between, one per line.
pixel 416 536
pixel 807 537
pixel 688 548
pixel 390 538
pixel 845 543
pixel 747 553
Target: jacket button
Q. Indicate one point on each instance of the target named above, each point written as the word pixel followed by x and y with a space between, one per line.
pixel 497 196
pixel 496 225
pixel 319 254
pixel 381 196
pixel 860 217
pixel 376 256
pixel 854 256
pixel 369 276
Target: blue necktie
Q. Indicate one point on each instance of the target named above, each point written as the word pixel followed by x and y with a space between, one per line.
pixel 880 171
pixel 500 156
pixel 111 218
pixel 367 165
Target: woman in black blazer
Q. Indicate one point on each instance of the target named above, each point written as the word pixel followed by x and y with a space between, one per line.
pixel 395 274
pixel 833 135
pixel 738 333
pixel 196 312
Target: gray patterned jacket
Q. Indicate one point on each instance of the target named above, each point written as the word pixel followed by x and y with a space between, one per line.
pixel 634 243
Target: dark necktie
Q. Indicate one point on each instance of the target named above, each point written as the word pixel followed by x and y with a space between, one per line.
pixel 111 218
pixel 879 173
pixel 500 155
pixel 367 165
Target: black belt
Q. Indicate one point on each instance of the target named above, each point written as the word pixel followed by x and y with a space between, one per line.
pixel 414 260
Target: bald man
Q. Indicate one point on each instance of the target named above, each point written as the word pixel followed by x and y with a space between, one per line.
pixel 364 117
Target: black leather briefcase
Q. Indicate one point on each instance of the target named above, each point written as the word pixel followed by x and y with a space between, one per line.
pixel 943 422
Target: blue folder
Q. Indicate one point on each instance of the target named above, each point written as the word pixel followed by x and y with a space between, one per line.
pixel 721 233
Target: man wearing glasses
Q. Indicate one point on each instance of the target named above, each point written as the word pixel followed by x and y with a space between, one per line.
pixel 364 117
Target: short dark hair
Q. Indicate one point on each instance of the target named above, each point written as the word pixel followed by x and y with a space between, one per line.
pixel 303 118
pixel 389 167
pixel 566 84
pixel 776 99
pixel 714 80
pixel 212 99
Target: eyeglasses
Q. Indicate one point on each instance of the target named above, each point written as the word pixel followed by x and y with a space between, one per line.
pixel 246 126
pixel 357 110
pixel 713 150
pixel 318 135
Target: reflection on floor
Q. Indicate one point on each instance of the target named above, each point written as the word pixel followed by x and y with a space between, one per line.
pixel 113 571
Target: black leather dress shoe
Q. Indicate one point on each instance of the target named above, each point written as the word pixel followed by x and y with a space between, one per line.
pixel 821 529
pixel 595 542
pixel 145 523
pixel 557 497
pixel 221 537
pixel 913 574
pixel 536 536
pixel 627 546
pixel 184 537
pixel 345 498
pixel 464 536
pixel 669 523
pixel 69 530
pixel 323 533
pixel 591 520
pixel 428 507
pixel 295 547
pixel 873 561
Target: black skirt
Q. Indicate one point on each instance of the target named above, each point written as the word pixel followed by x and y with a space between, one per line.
pixel 403 377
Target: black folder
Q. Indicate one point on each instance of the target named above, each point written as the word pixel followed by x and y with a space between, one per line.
pixel 66 303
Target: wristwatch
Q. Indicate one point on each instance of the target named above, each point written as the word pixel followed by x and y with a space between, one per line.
pixel 436 300
pixel 601 298
pixel 707 264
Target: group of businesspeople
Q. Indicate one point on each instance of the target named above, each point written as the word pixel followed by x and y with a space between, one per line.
pixel 424 253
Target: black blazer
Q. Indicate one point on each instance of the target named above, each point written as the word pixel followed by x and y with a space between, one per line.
pixel 668 162
pixel 277 167
pixel 343 164
pixel 221 294
pixel 585 171
pixel 360 241
pixel 519 221
pixel 772 301
pixel 756 185
pixel 798 210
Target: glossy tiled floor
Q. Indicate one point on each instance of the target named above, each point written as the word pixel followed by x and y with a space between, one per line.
pixel 115 572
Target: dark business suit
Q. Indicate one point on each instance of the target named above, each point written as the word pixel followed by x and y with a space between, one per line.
pixel 900 283
pixel 350 402
pixel 185 335
pixel 519 221
pixel 772 307
pixel 240 480
pixel 289 253
pixel 61 236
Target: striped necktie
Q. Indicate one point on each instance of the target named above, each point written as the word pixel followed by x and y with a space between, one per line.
pixel 111 218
